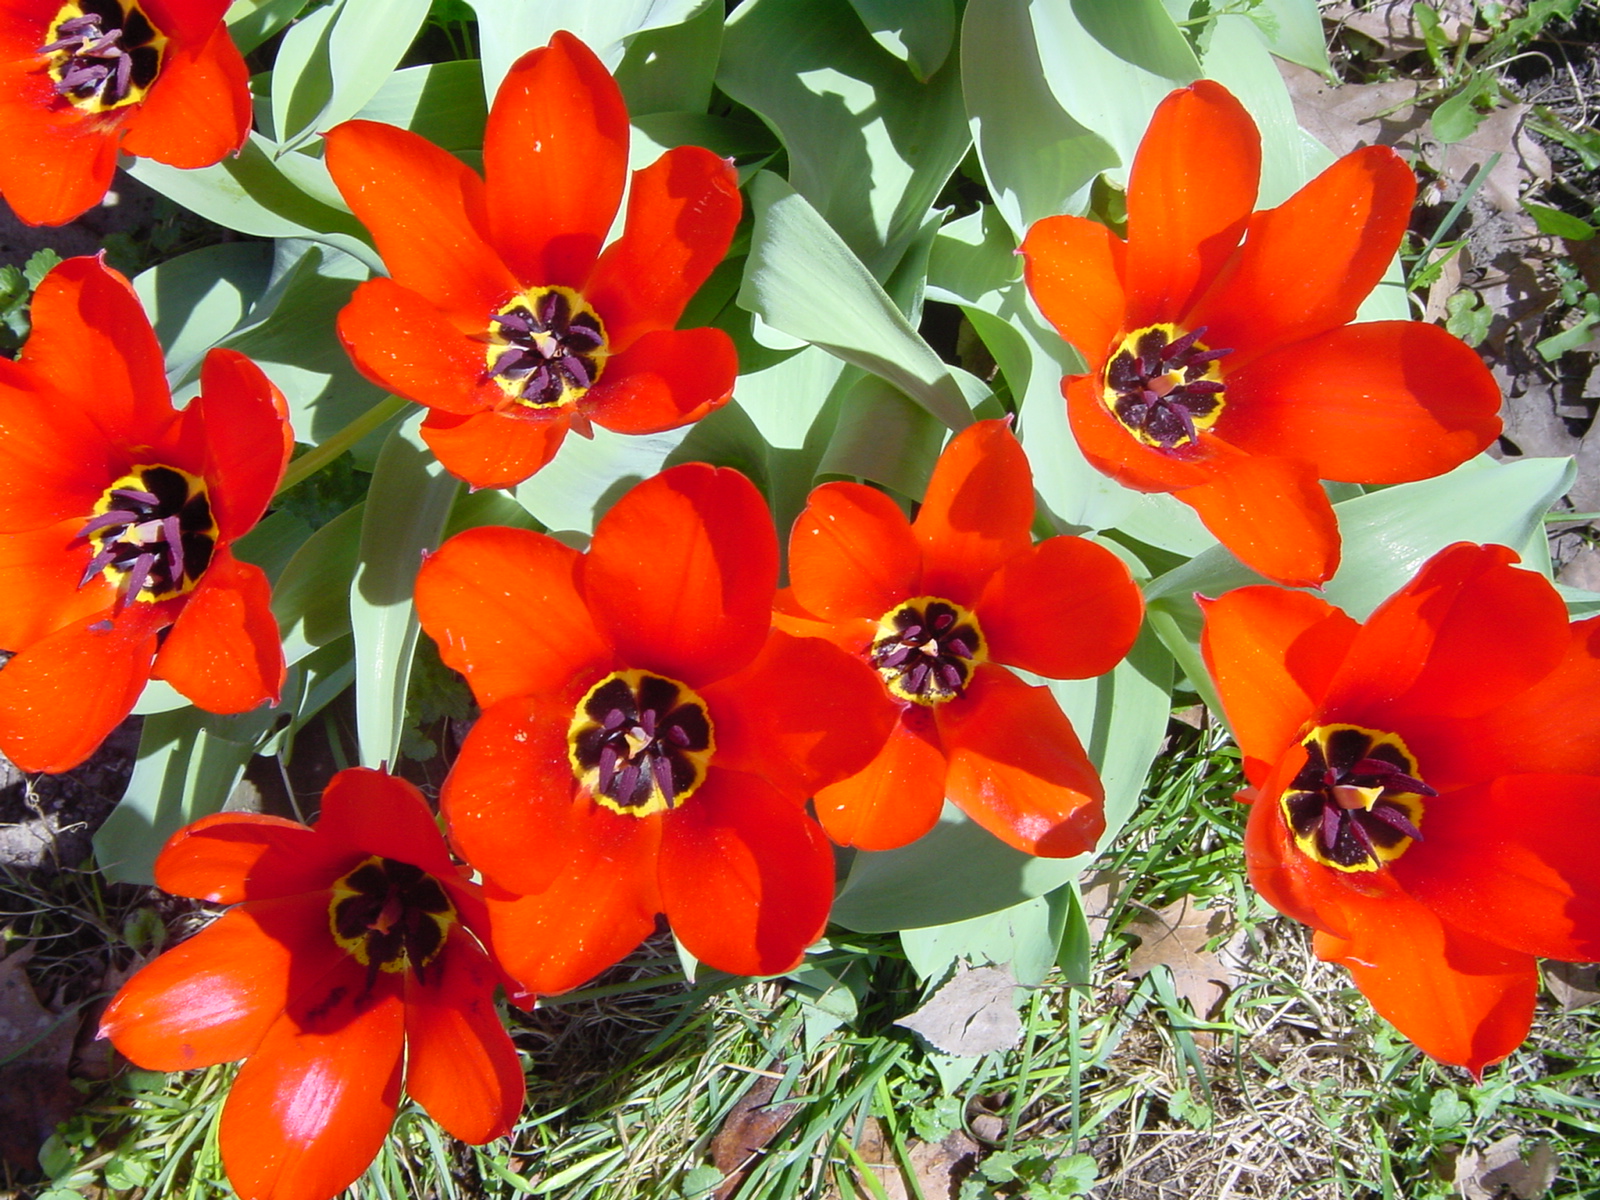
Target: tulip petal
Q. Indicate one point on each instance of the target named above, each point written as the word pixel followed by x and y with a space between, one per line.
pixel 803 715
pixel 310 1108
pixel 199 109
pixel 1385 402
pixel 379 813
pixel 977 513
pixel 407 346
pixel 509 796
pixel 504 607
pixel 746 876
pixel 600 906
pixel 460 1063
pixel 1065 608
pixel 228 857
pixel 1074 270
pixel 852 553
pixel 681 573
pixel 39 575
pixel 667 378
pixel 186 21
pixel 53 166
pixel 1512 861
pixel 1272 654
pixel 84 312
pixel 93 672
pixel 212 998
pixel 894 799
pixel 425 210
pixel 1287 879
pixel 223 651
pixel 245 427
pixel 1112 450
pixel 682 211
pixel 1190 191
pixel 555 153
pixel 1017 767
pixel 1461 999
pixel 494 449
pixel 1273 515
pixel 1437 649
pixel 1306 265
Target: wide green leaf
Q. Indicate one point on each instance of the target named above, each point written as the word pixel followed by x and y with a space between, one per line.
pixel 869 146
pixel 407 506
pixel 587 476
pixel 919 35
pixel 335 59
pixel 442 102
pixel 1024 937
pixel 311 599
pixel 251 22
pixel 1292 30
pixel 801 279
pixel 197 299
pixel 672 69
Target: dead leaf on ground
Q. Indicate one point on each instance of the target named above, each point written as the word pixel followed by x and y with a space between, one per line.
pixel 939 1166
pixel 974 1013
pixel 1502 1173
pixel 746 1131
pixel 1099 892
pixel 1393 23
pixel 35 1045
pixel 1574 985
pixel 1176 937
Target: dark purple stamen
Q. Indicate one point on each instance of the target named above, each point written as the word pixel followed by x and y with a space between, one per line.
pixel 928 657
pixel 396 913
pixel 159 537
pixel 549 349
pixel 110 51
pixel 1321 804
pixel 1161 388
pixel 641 742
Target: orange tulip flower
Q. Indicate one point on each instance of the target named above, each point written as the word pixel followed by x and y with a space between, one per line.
pixel 647 741
pixel 935 605
pixel 117 514
pixel 1228 374
pixel 83 79
pixel 1425 788
pixel 501 312
pixel 351 961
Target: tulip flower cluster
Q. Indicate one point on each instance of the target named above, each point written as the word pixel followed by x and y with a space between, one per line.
pixel 681 720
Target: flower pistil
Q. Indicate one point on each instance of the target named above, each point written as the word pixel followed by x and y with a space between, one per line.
pixel 640 743
pixel 391 916
pixel 1164 385
pixel 926 648
pixel 154 534
pixel 103 55
pixel 547 347
pixel 1357 803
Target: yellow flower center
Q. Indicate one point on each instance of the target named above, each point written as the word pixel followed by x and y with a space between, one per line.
pixel 547 347
pixel 1164 386
pixel 391 916
pixel 926 648
pixel 1357 803
pixel 103 55
pixel 153 534
pixel 640 743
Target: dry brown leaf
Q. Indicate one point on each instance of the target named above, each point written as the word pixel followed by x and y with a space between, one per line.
pixel 747 1130
pixel 1502 1173
pixel 1393 23
pixel 1099 891
pixel 974 1013
pixel 1574 985
pixel 939 1166
pixel 1176 937
pixel 35 1045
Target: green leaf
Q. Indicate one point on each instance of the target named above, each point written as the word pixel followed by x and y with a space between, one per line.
pixel 1553 347
pixel 197 299
pixel 1023 937
pixel 919 35
pixel 509 28
pixel 869 147
pixel 1140 32
pixel 251 22
pixel 1459 116
pixel 248 192
pixel 587 476
pixel 960 870
pixel 188 765
pixel 442 102
pixel 803 280
pixel 672 69
pixel 1559 224
pixel 1034 167
pixel 407 506
pixel 335 59
pixel 1467 317
pixel 311 599
pixel 882 436
pixel 1293 31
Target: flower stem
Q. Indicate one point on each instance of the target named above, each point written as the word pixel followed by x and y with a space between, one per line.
pixel 320 455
